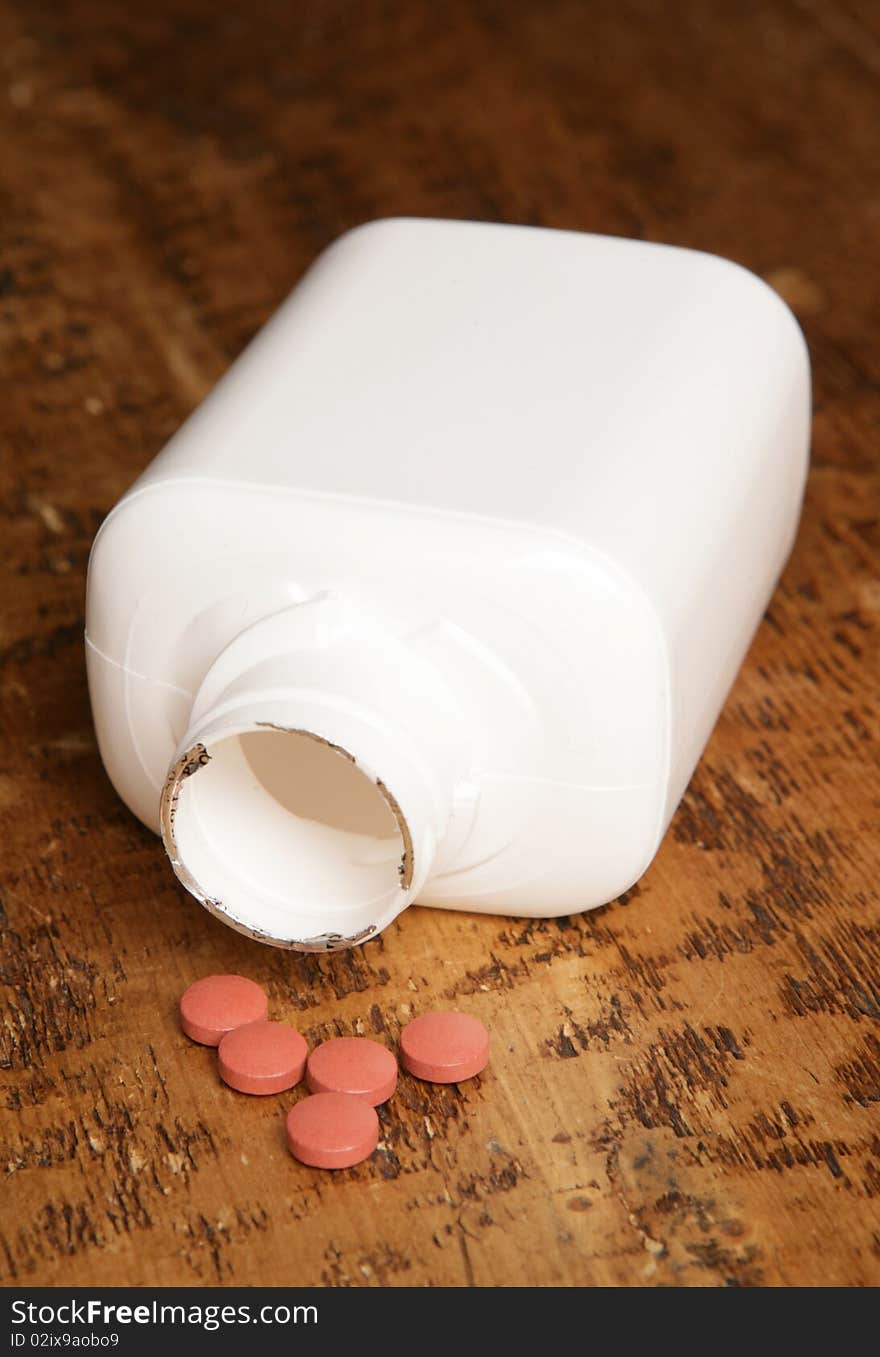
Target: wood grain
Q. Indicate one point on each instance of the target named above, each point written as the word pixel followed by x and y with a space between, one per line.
pixel 685 1084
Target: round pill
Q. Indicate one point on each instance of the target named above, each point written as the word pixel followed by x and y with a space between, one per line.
pixel 263 1057
pixel 216 1005
pixel 444 1047
pixel 332 1130
pixel 353 1065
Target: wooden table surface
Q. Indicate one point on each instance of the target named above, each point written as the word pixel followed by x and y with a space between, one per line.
pixel 685 1084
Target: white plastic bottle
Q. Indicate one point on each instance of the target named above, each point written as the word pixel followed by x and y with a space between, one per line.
pixel 439 593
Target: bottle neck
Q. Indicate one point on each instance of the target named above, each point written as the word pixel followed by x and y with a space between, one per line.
pixel 307 800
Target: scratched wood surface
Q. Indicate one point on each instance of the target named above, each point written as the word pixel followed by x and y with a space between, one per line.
pixel 685 1084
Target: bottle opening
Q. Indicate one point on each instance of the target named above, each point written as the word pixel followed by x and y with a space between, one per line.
pixel 283 835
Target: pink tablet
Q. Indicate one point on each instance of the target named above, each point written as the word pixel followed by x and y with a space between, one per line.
pixel 353 1065
pixel 262 1057
pixel 216 1005
pixel 444 1048
pixel 332 1130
